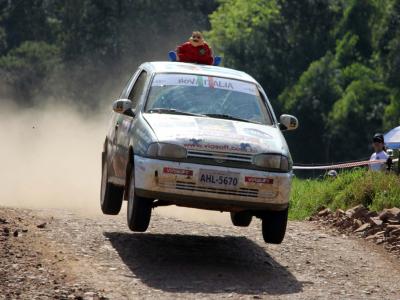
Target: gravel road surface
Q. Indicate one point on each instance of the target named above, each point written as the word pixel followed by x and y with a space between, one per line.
pixel 75 257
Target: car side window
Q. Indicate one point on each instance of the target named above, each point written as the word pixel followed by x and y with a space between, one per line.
pixel 138 89
pixel 127 87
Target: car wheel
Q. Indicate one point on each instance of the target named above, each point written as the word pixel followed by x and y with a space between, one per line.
pixel 139 208
pixel 274 226
pixel 242 218
pixel 110 195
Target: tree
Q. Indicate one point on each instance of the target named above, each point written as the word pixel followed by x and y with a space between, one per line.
pixel 99 42
pixel 273 40
pixel 311 100
pixel 3 41
pixel 25 21
pixel 356 117
pixel 357 21
pixel 26 67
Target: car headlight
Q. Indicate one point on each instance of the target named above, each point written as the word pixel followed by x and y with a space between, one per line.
pixel 272 161
pixel 165 150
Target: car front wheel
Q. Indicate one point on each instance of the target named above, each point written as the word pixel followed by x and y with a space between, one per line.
pixel 110 195
pixel 139 208
pixel 274 226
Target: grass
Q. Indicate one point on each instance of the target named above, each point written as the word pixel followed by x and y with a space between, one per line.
pixel 375 190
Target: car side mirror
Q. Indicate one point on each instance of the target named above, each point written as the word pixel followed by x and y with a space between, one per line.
pixel 288 122
pixel 123 106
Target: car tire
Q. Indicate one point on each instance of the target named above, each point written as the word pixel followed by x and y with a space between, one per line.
pixel 242 218
pixel 274 226
pixel 139 208
pixel 110 195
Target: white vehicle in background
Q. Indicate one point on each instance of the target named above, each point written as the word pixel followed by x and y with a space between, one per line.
pixel 197 136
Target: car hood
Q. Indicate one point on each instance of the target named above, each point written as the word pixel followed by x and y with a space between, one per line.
pixel 219 135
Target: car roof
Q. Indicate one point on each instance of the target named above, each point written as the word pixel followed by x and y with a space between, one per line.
pixel 197 69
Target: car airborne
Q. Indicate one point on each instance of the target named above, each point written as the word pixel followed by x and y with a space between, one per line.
pixel 201 137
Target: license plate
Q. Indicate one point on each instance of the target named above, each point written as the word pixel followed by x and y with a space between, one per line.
pixel 219 179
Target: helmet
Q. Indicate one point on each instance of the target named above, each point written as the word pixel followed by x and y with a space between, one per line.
pixel 332 173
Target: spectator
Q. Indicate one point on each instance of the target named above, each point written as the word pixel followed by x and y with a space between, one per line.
pixel 379 154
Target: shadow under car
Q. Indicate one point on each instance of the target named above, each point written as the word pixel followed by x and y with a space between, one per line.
pixel 202 264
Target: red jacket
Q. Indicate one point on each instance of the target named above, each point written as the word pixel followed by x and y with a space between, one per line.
pixel 191 54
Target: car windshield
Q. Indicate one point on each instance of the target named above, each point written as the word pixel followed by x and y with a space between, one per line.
pixel 207 96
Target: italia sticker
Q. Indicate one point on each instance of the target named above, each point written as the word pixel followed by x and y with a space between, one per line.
pixel 206 82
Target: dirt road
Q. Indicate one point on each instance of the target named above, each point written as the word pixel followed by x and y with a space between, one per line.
pixel 93 257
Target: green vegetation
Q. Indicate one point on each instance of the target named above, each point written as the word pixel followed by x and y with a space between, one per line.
pixel 85 50
pixel 375 190
pixel 335 64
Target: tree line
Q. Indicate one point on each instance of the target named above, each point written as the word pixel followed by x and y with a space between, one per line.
pixel 335 64
pixel 83 51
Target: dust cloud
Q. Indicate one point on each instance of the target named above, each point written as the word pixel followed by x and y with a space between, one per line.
pixel 51 158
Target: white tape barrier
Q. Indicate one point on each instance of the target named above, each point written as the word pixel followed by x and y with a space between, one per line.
pixel 343 165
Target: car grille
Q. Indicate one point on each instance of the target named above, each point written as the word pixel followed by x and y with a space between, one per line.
pixel 238 160
pixel 190 186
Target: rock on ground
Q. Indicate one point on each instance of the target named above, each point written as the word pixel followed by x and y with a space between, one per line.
pixel 383 227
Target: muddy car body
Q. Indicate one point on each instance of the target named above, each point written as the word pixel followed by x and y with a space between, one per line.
pixel 197 136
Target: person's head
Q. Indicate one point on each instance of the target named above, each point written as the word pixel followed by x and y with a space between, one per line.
pixel 378 142
pixel 332 174
pixel 196 38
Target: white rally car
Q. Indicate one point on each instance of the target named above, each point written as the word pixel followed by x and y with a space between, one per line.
pixel 197 136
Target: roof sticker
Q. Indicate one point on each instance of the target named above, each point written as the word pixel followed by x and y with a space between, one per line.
pixel 205 81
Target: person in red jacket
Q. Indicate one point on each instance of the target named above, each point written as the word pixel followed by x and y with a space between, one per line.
pixel 195 50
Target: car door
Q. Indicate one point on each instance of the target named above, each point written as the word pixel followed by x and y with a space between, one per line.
pixel 112 135
pixel 126 122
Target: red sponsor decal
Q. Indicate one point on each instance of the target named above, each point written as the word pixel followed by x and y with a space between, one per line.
pixel 178 171
pixel 258 180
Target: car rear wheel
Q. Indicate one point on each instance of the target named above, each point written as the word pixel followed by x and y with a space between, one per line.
pixel 274 226
pixel 242 218
pixel 110 195
pixel 139 208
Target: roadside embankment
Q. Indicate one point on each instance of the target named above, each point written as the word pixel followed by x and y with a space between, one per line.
pixel 381 228
pixel 357 202
pixel 374 190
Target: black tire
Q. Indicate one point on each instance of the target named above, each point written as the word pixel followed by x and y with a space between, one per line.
pixel 274 226
pixel 139 209
pixel 110 195
pixel 242 218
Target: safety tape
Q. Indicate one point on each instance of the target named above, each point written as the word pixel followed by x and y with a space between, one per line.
pixel 343 165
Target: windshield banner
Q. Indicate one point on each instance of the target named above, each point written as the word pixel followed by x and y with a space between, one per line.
pixel 205 81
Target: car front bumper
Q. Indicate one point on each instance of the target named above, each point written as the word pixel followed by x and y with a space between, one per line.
pixel 179 183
